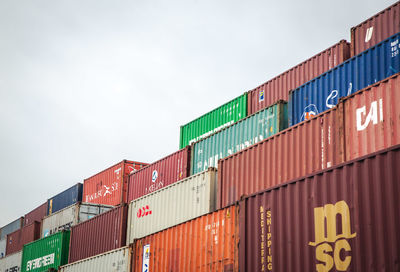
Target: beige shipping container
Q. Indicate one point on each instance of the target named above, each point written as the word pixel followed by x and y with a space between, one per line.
pixel 11 263
pixel 3 243
pixel 181 201
pixel 70 216
pixel 114 260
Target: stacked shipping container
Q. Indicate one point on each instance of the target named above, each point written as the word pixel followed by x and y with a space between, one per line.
pixel 17 239
pixel 64 199
pixel 11 263
pixel 36 214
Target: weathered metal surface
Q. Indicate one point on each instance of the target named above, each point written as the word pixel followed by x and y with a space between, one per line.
pixel 341 219
pixel 17 239
pixel 11 263
pixel 36 214
pixel 65 199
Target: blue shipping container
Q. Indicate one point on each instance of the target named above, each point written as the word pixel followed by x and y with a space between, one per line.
pixel 11 227
pixel 324 92
pixel 65 199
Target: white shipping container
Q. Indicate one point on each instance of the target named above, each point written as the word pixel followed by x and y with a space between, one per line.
pixel 114 260
pixel 3 243
pixel 179 202
pixel 70 216
pixel 11 263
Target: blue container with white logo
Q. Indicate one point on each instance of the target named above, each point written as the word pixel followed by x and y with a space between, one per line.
pixel 65 199
pixel 324 92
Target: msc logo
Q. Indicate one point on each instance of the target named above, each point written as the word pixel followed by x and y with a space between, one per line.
pixel 144 211
pixel 374 111
pixel 328 242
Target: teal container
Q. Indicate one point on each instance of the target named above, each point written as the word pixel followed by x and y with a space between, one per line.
pixel 49 252
pixel 213 121
pixel 246 132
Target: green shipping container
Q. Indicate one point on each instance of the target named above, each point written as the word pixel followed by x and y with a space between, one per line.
pixel 238 136
pixel 213 121
pixel 49 252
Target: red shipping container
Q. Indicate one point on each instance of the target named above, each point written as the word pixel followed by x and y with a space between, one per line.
pixel 372 118
pixel 102 233
pixel 110 186
pixel 278 88
pixel 36 214
pixel 375 29
pixel 345 218
pixel 17 239
pixel 159 174
pixel 297 151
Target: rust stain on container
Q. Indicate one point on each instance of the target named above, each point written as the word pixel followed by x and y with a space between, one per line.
pixel 372 118
pixel 304 148
pixel 25 235
pixel 207 243
pixel 100 234
pixel 36 215
pixel 375 29
pixel 278 88
pixel 341 219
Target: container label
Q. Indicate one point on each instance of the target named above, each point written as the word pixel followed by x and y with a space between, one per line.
pixel 332 249
pixel 12 269
pixel 261 96
pixel 144 211
pixel 103 192
pixel 146 258
pixel 154 176
pixel 40 262
pixel 374 111
pixel 368 34
pixel 395 46
pixel 265 239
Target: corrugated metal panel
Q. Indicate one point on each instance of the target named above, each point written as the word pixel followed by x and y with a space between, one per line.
pixel 46 253
pixel 172 205
pixel 159 174
pixel 240 135
pixel 25 235
pixel 11 227
pixel 109 187
pixel 36 215
pixel 307 147
pixel 3 243
pixel 323 92
pixel 99 234
pixel 343 219
pixel 11 263
pixel 213 121
pixel 115 260
pixel 372 118
pixel 278 88
pixel 375 29
pixel 65 199
pixel 70 216
pixel 207 243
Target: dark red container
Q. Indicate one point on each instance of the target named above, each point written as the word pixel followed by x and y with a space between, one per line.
pixel 159 174
pixel 36 214
pixel 375 29
pixel 278 88
pixel 346 218
pixel 17 239
pixel 102 233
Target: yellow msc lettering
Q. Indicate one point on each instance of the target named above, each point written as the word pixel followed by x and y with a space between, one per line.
pixel 322 255
pixel 342 265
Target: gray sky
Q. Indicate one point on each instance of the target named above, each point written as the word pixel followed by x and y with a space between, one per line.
pixel 85 84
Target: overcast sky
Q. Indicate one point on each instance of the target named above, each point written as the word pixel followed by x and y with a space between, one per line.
pixel 85 84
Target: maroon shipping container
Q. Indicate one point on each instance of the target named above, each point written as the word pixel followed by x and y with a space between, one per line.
pixel 346 218
pixel 307 147
pixel 102 233
pixel 278 88
pixel 159 174
pixel 36 214
pixel 375 29
pixel 17 239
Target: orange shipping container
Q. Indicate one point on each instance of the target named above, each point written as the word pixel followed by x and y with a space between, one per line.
pixel 207 243
pixel 110 186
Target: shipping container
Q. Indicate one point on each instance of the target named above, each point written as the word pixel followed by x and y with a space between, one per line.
pixel 3 244
pixel 375 29
pixel 100 234
pixel 278 88
pixel 114 260
pixel 307 147
pixel 65 199
pixel 11 227
pixel 238 136
pixel 17 239
pixel 324 92
pixel 172 205
pixel 372 118
pixel 159 174
pixel 345 218
pixel 213 121
pixel 11 263
pixel 46 253
pixel 70 216
pixel 36 214
pixel 207 243
pixel 110 186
